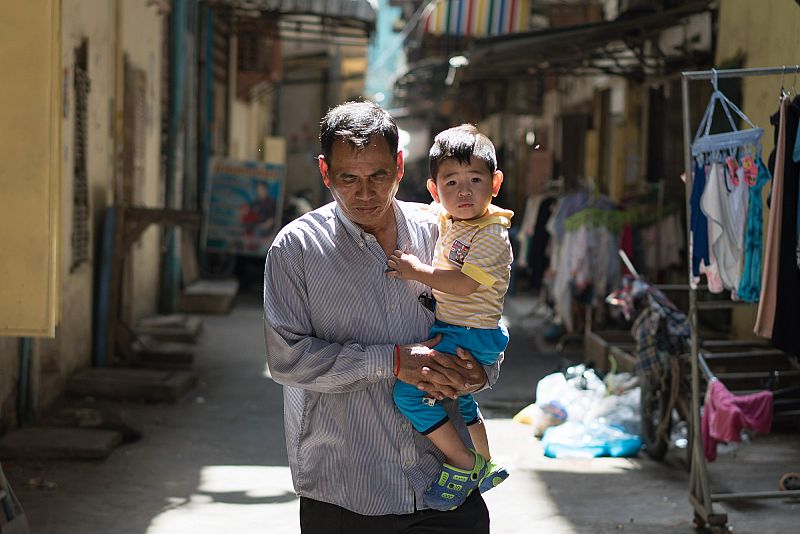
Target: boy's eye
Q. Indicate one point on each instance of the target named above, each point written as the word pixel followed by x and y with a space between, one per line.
pixel 450 182
pixel 476 179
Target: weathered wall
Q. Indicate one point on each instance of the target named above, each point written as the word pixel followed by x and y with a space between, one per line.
pixel 763 34
pixel 142 37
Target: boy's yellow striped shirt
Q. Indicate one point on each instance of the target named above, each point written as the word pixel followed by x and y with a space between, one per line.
pixel 480 249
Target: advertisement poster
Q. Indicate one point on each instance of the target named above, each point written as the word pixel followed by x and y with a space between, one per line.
pixel 243 206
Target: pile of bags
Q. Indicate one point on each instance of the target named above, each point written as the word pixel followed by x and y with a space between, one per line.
pixel 578 414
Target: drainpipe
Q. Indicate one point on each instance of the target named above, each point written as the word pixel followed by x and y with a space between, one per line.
pixel 23 386
pixel 170 274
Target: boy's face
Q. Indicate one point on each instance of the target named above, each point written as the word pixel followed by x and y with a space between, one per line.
pixel 465 191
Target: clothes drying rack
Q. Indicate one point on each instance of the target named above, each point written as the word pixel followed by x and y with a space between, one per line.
pixel 700 495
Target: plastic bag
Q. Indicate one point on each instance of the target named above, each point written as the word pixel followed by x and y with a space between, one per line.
pixel 589 440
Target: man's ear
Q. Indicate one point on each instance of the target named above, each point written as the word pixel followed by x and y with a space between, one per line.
pixel 497 181
pixel 431 184
pixel 324 170
pixel 401 170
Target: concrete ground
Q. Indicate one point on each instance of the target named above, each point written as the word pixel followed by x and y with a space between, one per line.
pixel 215 461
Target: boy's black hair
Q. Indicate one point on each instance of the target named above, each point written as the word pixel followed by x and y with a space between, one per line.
pixel 356 123
pixel 461 143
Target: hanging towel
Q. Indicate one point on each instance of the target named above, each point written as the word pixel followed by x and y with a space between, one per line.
pixel 699 223
pixel 765 320
pixel 750 284
pixel 725 415
pixel 785 330
pixel 725 205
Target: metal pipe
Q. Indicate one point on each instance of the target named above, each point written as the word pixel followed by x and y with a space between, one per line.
pixel 698 478
pixel 740 73
pixel 789 494
pixel 23 387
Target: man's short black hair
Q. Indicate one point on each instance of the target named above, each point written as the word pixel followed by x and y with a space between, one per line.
pixel 461 143
pixel 356 123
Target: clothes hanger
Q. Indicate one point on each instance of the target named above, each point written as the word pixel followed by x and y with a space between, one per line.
pixel 708 147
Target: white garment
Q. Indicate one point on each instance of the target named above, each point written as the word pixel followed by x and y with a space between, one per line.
pixel 727 213
pixel 527 227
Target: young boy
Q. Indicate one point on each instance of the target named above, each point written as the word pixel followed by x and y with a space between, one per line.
pixel 469 278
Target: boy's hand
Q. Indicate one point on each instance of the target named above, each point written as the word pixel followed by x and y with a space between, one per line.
pixel 403 266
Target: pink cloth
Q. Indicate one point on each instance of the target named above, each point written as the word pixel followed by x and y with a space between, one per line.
pixel 726 414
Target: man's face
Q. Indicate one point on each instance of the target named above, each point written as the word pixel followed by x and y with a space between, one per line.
pixel 363 182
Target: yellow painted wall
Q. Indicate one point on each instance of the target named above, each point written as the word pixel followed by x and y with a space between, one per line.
pixel 766 34
pixel 53 360
pixel 29 181
pixel 29 151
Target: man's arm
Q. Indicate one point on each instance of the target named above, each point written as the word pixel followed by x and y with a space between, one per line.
pixel 294 356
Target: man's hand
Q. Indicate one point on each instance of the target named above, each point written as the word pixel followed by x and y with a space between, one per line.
pixel 442 375
pixel 404 266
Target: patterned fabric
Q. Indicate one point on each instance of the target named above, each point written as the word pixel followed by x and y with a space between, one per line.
pixel 481 250
pixel 750 284
pixel 332 318
pixel 660 330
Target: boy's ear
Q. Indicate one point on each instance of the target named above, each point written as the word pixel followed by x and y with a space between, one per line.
pixel 497 181
pixel 431 184
pixel 323 170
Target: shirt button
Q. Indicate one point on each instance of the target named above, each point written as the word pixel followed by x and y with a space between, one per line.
pixel 379 373
pixel 392 307
pixel 361 245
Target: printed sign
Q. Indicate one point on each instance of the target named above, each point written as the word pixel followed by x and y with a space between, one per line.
pixel 244 205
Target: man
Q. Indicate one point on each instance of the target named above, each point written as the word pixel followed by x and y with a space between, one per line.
pixel 338 332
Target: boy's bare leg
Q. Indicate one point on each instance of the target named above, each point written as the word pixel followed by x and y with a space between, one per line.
pixel 448 441
pixel 480 440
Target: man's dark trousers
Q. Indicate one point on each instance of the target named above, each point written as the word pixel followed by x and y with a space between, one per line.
pixel 318 517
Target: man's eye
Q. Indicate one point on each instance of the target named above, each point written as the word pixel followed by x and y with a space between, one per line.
pixel 348 179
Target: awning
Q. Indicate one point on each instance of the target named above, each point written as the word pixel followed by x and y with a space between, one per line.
pixel 624 46
pixel 478 17
pixel 349 21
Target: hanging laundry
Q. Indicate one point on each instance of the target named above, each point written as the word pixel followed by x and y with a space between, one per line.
pixel 725 205
pixel 785 332
pixel 699 223
pixel 765 319
pixel 750 284
pixel 725 415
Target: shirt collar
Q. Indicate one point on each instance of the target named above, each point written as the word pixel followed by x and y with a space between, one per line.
pixel 494 215
pixel 359 234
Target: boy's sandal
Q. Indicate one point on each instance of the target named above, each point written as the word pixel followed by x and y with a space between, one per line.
pixel 495 474
pixel 453 485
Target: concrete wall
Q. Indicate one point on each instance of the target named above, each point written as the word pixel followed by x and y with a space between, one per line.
pixel 142 37
pixel 53 360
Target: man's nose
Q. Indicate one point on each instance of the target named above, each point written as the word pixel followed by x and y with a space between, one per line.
pixel 363 191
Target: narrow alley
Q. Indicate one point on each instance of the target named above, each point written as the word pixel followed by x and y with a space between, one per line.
pixel 215 462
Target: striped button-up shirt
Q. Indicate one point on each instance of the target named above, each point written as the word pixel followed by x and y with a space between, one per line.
pixel 332 318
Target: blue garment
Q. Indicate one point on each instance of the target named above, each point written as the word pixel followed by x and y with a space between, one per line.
pixel 485 344
pixel 699 222
pixel 750 283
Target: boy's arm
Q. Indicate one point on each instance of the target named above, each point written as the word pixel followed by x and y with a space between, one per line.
pixel 409 267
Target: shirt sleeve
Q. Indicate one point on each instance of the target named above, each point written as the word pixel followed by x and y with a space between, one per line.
pixel 489 255
pixel 296 357
pixel 492 372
